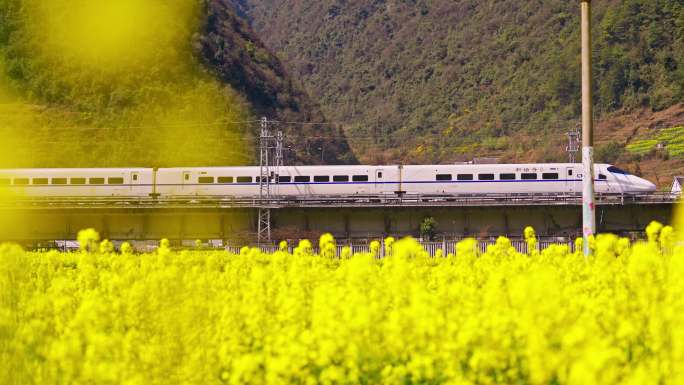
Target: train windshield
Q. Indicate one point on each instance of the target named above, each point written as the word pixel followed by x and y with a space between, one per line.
pixel 616 170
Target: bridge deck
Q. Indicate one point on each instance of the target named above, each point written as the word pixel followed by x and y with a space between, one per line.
pixel 319 201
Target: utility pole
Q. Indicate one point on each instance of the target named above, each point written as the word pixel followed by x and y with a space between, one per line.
pixel 588 199
pixel 264 159
pixel 278 153
pixel 573 144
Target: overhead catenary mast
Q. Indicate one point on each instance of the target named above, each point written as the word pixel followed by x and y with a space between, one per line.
pixel 270 162
pixel 588 199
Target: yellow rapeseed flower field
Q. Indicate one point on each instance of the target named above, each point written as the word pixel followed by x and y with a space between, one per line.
pixel 210 317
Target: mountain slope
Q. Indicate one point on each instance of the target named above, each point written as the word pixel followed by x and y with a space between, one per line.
pixel 237 55
pixel 444 80
pixel 141 83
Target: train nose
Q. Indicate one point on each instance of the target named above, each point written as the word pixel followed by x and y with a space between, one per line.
pixel 643 185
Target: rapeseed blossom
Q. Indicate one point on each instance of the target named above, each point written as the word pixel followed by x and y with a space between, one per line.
pixel 88 239
pixel 389 241
pixel 548 316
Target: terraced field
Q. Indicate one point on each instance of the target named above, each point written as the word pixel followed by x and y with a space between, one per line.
pixel 671 138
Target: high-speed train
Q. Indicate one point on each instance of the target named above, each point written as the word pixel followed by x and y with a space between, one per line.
pixel 318 180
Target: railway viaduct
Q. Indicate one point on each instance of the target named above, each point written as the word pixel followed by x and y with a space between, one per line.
pixel 187 219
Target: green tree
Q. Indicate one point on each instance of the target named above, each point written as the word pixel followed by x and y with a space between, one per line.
pixel 428 228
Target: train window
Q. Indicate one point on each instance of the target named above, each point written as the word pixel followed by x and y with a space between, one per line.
pixel 302 178
pixel 340 178
pixel 225 179
pixel 570 172
pixel 21 181
pixel 507 176
pixel 135 176
pixel 39 181
pixel 528 175
pixel 78 180
pixel 465 177
pixel 360 178
pixel 96 181
pixel 4 181
pixel 257 179
pixel 550 175
pixel 205 179
pixel 321 178
pixel 115 180
pixel 59 181
pixel 284 179
pixel 186 176
pixel 244 179
pixel 485 176
pixel 602 177
pixel 443 177
pixel 379 174
pixel 616 170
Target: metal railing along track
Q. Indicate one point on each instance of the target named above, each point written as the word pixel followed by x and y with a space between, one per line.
pixel 323 201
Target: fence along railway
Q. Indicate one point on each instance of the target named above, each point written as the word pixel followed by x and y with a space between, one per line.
pixel 431 247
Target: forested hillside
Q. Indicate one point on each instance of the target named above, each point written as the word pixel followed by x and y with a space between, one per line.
pixel 125 82
pixel 445 80
pixel 142 83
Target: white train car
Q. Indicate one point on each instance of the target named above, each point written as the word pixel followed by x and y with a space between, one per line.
pixel 207 181
pixel 395 179
pixel 337 180
pixel 317 180
pixel 290 181
pixel 77 182
pixel 517 179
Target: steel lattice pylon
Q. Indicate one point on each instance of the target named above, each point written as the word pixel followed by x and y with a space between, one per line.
pixel 269 166
pixel 574 140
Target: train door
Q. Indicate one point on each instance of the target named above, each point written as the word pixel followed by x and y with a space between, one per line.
pixel 187 188
pixel 379 185
pixel 571 179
